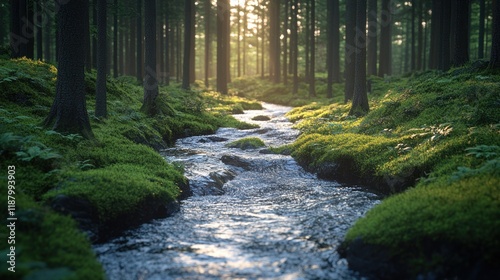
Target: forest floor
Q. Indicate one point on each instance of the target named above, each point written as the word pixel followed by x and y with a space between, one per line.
pixel 107 184
pixel 431 143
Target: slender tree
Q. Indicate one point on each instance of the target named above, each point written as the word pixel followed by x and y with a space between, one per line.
pixel 350 48
pixel 100 103
pixel 495 42
pixel 294 49
pixel 188 6
pixel 445 32
pixel 312 60
pixel 385 54
pixel 372 37
pixel 149 105
pixel 115 38
pixel 208 40
pixel 139 39
pixel 274 40
pixel 360 98
pixel 462 25
pixel 333 45
pixel 223 13
pixel 39 29
pixel 285 43
pixel 69 113
pixel 480 46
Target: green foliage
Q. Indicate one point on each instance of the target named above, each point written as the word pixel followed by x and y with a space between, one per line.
pixel 48 245
pixel 247 143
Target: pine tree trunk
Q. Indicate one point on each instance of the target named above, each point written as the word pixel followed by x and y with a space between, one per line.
pixel 372 37
pixel 294 49
pixel 480 47
pixel 360 98
pixel 69 113
pixel 350 49
pixel 186 71
pixel 115 39
pixel 495 42
pixel 149 105
pixel 385 54
pixel 461 45
pixel 208 40
pixel 223 13
pixel 312 78
pixel 140 56
pixel 100 102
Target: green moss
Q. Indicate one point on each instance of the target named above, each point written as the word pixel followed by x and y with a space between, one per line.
pixel 48 245
pixel 247 143
pixel 464 212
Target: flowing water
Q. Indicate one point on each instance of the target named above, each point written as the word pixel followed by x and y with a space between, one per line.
pixel 256 216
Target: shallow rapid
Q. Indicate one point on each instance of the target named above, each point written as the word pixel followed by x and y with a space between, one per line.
pixel 253 215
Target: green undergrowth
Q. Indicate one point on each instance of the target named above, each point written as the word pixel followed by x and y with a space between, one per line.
pixel 247 143
pixel 118 172
pixel 435 135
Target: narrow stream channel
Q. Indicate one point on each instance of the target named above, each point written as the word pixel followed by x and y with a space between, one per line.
pixel 253 215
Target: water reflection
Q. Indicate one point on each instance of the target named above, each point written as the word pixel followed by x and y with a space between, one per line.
pixel 270 221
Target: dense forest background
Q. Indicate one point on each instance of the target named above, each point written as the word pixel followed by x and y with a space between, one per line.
pixel 275 38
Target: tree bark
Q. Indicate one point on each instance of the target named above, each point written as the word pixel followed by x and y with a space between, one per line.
pixel 461 54
pixel 208 40
pixel 69 113
pixel 274 41
pixel 372 37
pixel 140 56
pixel 186 71
pixel 495 42
pixel 223 14
pixel 385 54
pixel 115 38
pixel 149 105
pixel 360 98
pixel 350 49
pixel 100 102
pixel 312 60
pixel 480 46
pixel 294 46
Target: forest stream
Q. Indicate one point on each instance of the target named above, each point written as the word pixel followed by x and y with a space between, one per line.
pixel 253 215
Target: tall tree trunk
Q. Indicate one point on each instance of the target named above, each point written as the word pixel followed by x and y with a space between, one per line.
pixel 188 21
pixel 16 40
pixel 223 14
pixel 495 42
pixel 413 37
pixel 307 42
pixel 245 30
pixel 167 44
pixel 28 29
pixel 444 50
pixel 100 102
pixel 372 37
pixel 420 31
pixel 94 38
pixel 360 98
pixel 140 56
pixel 121 46
pixel 350 49
pixel 385 54
pixel 312 78
pixel 294 49
pixel 149 105
pixel 461 53
pixel 69 113
pixel 208 40
pixel 86 35
pixel 47 36
pixel 274 41
pixel 435 34
pixel 115 38
pixel 480 46
pixel 192 73
pixel 238 41
pixel 285 44
pixel 333 46
pixel 39 29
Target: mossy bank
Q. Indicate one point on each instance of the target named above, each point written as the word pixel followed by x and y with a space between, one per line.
pixel 103 185
pixel 431 144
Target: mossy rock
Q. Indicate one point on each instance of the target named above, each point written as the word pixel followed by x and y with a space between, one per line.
pixel 247 143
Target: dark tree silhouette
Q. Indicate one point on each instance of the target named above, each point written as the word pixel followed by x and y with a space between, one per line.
pixel 100 102
pixel 372 37
pixel 350 49
pixel 385 54
pixel 69 113
pixel 208 40
pixel 149 105
pixel 274 40
pixel 312 82
pixel 140 55
pixel 360 98
pixel 188 42
pixel 333 45
pixel 462 26
pixel 480 47
pixel 495 43
pixel 223 13
pixel 294 49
